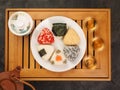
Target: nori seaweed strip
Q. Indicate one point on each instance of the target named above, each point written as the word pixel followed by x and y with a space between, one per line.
pixel 59 29
pixel 42 52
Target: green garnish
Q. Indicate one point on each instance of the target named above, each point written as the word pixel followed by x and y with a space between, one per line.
pixel 52 62
pixel 65 61
pixel 58 51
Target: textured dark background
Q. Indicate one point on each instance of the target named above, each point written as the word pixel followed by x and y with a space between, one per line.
pixel 114 5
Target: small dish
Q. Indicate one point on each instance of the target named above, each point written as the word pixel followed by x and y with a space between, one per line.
pixel 20 23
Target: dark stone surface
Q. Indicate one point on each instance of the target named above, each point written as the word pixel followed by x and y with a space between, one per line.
pixel 114 84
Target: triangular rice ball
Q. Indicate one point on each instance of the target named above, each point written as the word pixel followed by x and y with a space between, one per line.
pixel 71 38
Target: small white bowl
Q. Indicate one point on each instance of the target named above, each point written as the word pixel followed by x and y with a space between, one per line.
pixel 20 23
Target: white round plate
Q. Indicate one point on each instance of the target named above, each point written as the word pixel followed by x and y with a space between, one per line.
pixel 48 23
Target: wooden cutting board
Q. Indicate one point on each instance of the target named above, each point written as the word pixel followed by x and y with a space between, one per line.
pixel 18 53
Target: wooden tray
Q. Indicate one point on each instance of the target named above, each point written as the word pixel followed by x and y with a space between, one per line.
pixel 18 53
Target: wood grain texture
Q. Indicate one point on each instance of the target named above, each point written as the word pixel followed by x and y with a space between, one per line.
pixel 26 52
pixel 31 69
pixel 37 65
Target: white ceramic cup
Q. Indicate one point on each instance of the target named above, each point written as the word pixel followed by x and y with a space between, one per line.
pixel 20 23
